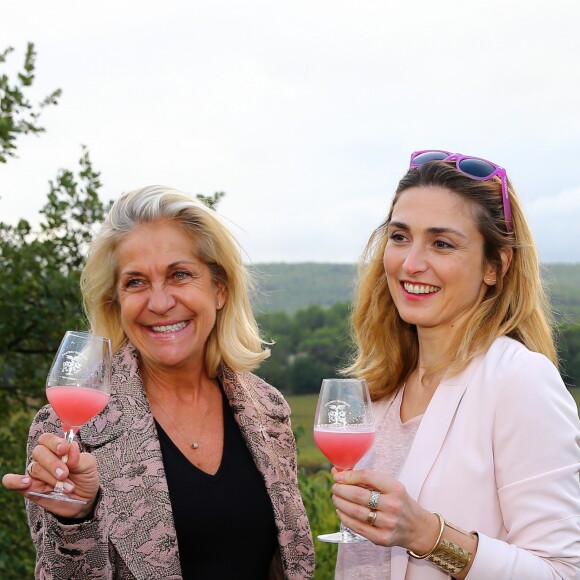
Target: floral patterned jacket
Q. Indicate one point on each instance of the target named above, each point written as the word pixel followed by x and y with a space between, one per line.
pixel 132 534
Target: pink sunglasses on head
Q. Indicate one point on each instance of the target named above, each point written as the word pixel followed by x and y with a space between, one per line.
pixel 473 167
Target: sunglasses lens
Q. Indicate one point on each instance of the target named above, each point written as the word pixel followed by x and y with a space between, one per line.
pixel 429 156
pixel 476 167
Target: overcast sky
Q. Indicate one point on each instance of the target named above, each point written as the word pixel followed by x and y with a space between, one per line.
pixel 303 111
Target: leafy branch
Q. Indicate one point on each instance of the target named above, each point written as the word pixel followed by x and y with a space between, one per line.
pixel 18 116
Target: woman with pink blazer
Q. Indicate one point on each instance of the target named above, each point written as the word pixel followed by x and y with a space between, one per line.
pixel 475 468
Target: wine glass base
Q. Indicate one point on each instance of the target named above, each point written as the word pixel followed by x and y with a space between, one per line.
pixel 57 496
pixel 342 537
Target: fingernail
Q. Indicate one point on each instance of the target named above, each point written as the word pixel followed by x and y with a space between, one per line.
pixel 59 448
pixel 25 480
pixel 59 472
pixel 68 486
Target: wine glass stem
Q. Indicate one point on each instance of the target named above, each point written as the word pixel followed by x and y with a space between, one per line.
pixel 69 436
pixel 346 531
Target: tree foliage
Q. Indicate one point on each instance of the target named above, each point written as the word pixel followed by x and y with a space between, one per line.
pixel 39 301
pixel 39 296
pixel 309 346
pixel 18 116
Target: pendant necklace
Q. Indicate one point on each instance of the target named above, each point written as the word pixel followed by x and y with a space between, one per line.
pixel 195 444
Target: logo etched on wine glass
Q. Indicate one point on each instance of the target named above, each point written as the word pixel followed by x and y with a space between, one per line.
pixel 74 362
pixel 337 412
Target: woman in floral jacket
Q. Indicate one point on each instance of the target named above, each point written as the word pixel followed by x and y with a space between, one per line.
pixel 190 471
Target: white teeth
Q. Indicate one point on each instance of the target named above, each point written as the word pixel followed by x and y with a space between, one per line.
pixel 172 328
pixel 419 288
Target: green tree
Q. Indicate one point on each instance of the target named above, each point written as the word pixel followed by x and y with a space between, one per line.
pixel 309 346
pixel 39 297
pixel 39 301
pixel 310 318
pixel 306 374
pixel 18 116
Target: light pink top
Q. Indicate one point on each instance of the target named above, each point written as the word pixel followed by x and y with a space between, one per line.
pixel 365 560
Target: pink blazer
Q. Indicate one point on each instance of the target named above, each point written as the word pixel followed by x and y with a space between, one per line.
pixel 498 451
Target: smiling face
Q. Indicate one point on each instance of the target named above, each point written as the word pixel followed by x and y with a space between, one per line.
pixel 434 260
pixel 168 300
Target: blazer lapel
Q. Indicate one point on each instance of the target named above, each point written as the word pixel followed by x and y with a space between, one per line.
pixel 430 436
pixel 253 417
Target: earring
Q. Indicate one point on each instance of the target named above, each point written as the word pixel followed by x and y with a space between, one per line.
pixel 219 304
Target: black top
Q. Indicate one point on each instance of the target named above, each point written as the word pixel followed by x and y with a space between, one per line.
pixel 224 522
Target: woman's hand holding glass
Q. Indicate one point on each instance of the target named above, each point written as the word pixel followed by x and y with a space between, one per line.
pixel 399 519
pixel 78 475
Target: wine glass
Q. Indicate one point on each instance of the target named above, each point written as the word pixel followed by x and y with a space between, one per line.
pixel 344 431
pixel 78 388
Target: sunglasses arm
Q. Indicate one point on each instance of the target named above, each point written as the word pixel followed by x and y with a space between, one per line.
pixel 507 206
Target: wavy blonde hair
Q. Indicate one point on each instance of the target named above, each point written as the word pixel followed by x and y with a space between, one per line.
pixel 517 306
pixel 235 338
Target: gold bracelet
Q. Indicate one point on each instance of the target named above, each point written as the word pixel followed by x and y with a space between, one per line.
pixel 449 556
pixel 436 545
pixel 445 554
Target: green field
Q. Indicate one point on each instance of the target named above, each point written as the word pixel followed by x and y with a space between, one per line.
pixel 303 408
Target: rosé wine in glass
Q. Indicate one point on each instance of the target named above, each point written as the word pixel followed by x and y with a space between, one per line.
pixel 344 449
pixel 76 405
pixel 344 431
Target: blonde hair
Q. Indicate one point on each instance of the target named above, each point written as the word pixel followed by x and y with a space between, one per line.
pixel 517 306
pixel 235 338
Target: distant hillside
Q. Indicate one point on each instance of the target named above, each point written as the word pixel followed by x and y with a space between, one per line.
pixel 290 287
pixel 563 281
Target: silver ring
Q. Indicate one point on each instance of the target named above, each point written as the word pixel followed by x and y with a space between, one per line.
pixel 29 467
pixel 374 500
pixel 371 518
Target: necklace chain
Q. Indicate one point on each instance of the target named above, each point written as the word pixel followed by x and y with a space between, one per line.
pixel 195 444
